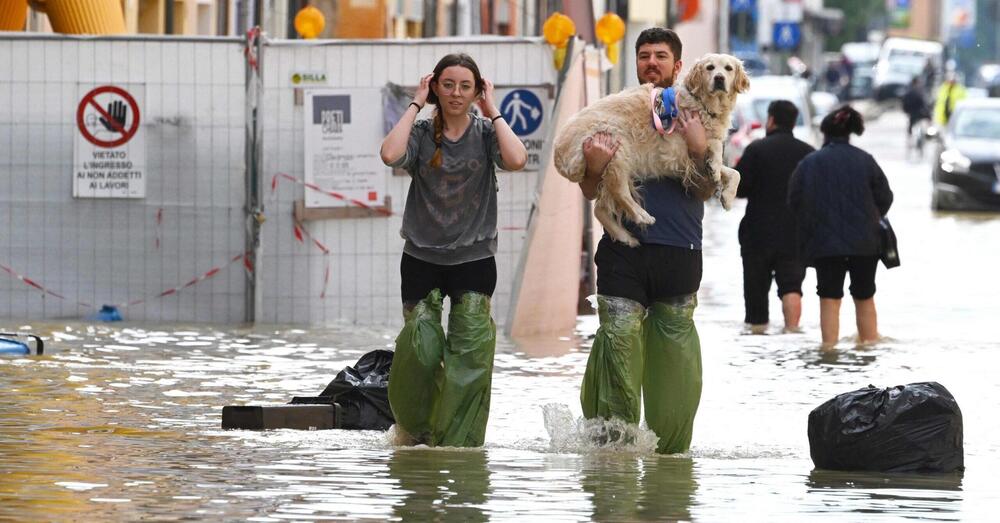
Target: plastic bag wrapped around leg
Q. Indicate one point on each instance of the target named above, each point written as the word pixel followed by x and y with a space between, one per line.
pixel 464 403
pixel 612 383
pixel 911 428
pixel 416 365
pixel 672 374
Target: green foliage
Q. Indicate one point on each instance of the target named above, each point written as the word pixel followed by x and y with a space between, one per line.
pixel 859 17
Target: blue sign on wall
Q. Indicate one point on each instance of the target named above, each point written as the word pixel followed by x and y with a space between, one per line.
pixel 787 35
pixel 522 110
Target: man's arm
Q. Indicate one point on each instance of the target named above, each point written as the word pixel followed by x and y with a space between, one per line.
pixel 690 126
pixel 597 152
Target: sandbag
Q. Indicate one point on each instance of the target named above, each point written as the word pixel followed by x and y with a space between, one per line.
pixel 906 428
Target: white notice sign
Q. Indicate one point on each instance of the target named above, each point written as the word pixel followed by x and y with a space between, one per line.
pixel 109 152
pixel 343 130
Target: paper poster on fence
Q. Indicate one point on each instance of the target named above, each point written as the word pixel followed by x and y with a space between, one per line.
pixel 109 150
pixel 342 138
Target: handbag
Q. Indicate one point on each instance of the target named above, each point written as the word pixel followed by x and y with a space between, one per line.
pixel 889 252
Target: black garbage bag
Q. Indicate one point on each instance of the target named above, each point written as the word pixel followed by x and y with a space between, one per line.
pixel 906 428
pixel 362 391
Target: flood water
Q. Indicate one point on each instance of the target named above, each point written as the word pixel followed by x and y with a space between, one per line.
pixel 122 422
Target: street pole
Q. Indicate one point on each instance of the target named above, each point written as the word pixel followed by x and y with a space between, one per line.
pixel 724 26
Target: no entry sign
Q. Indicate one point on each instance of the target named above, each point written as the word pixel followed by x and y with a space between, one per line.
pixel 109 153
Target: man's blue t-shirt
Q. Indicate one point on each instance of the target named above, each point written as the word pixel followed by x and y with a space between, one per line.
pixel 678 215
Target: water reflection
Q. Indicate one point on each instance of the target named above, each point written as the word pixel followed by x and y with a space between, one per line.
pixel 904 494
pixel 634 488
pixel 440 484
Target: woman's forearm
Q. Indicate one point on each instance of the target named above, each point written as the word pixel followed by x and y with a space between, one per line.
pixel 394 146
pixel 512 150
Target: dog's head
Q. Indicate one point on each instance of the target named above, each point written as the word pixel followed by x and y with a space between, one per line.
pixel 717 75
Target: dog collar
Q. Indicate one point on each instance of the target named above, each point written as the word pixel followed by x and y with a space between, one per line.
pixel 664 117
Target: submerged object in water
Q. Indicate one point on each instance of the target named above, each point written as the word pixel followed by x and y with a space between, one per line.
pixel 108 313
pixel 302 417
pixel 9 344
pixel 357 399
pixel 906 428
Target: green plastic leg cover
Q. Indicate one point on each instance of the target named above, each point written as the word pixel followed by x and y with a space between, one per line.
pixel 613 379
pixel 414 379
pixel 672 376
pixel 464 404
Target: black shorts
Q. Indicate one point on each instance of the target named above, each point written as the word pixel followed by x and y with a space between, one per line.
pixel 419 278
pixel 830 274
pixel 647 273
pixel 758 271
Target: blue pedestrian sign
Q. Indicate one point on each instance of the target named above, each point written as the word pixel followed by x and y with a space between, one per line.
pixel 787 35
pixel 522 110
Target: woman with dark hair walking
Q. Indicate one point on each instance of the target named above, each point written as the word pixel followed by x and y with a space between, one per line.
pixel 439 387
pixel 838 195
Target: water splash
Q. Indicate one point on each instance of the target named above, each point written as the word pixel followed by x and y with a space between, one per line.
pixel 569 434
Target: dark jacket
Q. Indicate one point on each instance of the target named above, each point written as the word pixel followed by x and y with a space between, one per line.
pixel 838 194
pixel 768 227
pixel 915 105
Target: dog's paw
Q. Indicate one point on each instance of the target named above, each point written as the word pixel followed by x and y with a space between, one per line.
pixel 643 218
pixel 727 199
pixel 629 240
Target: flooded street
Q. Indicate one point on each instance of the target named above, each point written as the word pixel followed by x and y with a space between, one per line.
pixel 122 422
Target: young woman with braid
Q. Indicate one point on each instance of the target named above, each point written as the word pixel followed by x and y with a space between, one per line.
pixel 439 387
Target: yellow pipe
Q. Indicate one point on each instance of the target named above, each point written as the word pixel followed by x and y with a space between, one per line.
pixel 95 17
pixel 12 14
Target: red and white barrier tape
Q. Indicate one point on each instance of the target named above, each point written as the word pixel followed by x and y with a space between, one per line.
pixel 198 279
pixel 299 231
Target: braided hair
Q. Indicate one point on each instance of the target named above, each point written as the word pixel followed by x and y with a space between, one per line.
pixel 841 122
pixel 461 60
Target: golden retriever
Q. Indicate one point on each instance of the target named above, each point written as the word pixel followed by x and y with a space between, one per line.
pixel 710 88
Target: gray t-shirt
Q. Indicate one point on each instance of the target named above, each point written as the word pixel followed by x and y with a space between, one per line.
pixel 451 210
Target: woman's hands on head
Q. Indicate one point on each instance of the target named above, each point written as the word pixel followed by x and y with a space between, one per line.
pixel 489 99
pixel 424 89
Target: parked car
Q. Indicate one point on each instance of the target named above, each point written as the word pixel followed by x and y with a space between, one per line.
pixel 966 171
pixel 750 113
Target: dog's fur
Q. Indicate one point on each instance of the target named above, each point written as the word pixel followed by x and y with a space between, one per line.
pixel 710 88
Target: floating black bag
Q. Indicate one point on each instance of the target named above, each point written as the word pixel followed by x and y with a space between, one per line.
pixel 889 253
pixel 362 391
pixel 911 428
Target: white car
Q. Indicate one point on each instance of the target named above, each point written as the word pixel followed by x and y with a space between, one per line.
pixel 750 115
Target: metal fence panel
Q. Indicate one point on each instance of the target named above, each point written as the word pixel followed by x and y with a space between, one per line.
pixel 62 256
pixel 358 281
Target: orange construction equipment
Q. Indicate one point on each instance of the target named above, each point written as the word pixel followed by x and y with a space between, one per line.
pixel 13 13
pixel 93 17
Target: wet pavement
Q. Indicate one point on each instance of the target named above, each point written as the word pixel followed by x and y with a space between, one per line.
pixel 121 422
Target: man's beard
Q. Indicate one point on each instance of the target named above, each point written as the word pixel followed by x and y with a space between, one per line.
pixel 666 80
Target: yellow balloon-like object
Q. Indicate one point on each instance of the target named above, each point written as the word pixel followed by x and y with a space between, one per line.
pixel 309 22
pixel 613 52
pixel 558 29
pixel 610 28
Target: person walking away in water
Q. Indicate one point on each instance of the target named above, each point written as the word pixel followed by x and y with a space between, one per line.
pixel 439 387
pixel 838 194
pixel 767 231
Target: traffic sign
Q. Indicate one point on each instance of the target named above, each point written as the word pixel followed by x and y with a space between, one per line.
pixel 787 35
pixel 523 111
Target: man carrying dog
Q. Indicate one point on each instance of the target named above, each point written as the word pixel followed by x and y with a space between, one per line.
pixel 647 345
pixel 767 232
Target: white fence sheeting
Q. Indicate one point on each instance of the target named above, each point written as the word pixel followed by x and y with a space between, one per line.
pixel 364 253
pixel 63 257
